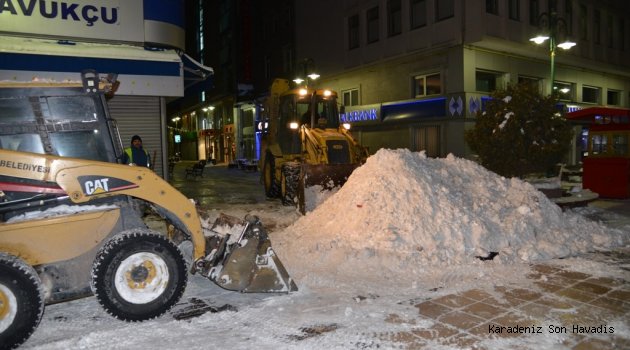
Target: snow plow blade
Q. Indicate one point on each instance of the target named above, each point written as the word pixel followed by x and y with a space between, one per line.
pixel 325 176
pixel 241 258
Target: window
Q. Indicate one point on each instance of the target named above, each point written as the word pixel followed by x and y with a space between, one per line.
pixel 514 10
pixel 609 31
pixel 622 35
pixel 620 144
pixel 350 97
pixel 353 32
pixel 568 16
pixel 565 91
pixel 418 13
pixel 613 98
pixel 531 81
pixel 583 23
pixel 372 24
pixel 599 144
pixel 590 94
pixel 444 9
pixel 426 85
pixel 492 6
pixel 597 23
pixel 486 81
pixel 287 59
pixel 394 17
pixel 533 12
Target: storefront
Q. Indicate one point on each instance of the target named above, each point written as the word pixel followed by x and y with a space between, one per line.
pixel 606 166
pixel 133 39
pixel 415 124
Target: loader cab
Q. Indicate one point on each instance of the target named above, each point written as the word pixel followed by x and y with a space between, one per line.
pixel 57 120
pixel 305 108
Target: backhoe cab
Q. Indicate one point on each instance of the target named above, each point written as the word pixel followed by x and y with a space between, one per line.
pixel 71 219
pixel 305 149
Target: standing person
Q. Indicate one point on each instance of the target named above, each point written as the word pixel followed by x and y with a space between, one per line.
pixel 136 154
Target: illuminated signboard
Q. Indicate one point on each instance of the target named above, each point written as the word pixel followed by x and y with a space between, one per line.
pixel 178 138
pixel 135 21
pixel 368 113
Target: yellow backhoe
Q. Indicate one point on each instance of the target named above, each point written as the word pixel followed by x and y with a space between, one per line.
pixel 71 219
pixel 305 149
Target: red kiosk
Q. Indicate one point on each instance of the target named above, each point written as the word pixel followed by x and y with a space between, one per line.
pixel 606 168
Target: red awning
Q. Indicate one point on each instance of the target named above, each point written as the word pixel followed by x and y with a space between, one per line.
pixel 591 112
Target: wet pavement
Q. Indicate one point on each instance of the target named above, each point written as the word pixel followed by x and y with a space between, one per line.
pixel 219 185
pixel 558 305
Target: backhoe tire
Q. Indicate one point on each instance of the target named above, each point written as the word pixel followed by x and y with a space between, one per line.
pixel 138 275
pixel 272 185
pixel 289 183
pixel 21 301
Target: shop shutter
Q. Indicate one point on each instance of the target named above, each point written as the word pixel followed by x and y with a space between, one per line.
pixel 140 115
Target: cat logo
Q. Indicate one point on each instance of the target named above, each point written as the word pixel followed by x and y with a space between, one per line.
pixel 96 186
pixel 337 147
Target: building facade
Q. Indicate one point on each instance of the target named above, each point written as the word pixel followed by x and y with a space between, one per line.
pixel 414 73
pixel 410 73
pixel 136 40
pixel 248 43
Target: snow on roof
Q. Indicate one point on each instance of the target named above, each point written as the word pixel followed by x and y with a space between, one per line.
pixel 401 212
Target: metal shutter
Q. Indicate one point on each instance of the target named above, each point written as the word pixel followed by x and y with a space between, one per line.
pixel 140 115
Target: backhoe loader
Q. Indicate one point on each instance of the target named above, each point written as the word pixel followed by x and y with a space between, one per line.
pixel 71 219
pixel 304 147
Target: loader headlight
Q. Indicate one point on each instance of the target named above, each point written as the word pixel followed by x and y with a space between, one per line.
pixel 303 92
pixel 293 125
pixel 346 126
pixel 327 93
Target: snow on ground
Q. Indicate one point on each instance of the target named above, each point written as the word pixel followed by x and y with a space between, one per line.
pixel 402 213
pixel 404 229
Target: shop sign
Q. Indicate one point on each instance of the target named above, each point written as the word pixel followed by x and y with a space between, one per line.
pixel 367 113
pixel 111 20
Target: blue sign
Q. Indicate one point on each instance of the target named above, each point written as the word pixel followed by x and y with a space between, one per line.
pixel 366 113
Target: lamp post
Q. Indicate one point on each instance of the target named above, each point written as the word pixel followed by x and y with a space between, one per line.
pixel 552 27
pixel 304 75
pixel 176 119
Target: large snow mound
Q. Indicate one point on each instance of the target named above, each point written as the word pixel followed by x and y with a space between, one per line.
pixel 402 211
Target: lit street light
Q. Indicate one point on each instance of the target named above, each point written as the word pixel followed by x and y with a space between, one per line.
pixel 176 119
pixel 552 27
pixel 304 75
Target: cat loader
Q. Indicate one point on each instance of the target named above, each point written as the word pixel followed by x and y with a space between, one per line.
pixel 305 149
pixel 71 219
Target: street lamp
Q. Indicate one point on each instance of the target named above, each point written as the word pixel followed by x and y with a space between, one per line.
pixel 304 74
pixel 176 119
pixel 552 27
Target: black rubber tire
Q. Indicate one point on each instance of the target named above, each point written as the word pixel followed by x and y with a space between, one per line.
pixel 289 183
pixel 272 185
pixel 117 266
pixel 21 301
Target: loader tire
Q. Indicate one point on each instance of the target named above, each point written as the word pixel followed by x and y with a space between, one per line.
pixel 272 186
pixel 138 275
pixel 289 182
pixel 21 301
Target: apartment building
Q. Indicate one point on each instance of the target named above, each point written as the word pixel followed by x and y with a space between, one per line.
pixel 414 73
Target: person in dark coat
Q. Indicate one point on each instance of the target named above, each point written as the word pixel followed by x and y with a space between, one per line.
pixel 136 154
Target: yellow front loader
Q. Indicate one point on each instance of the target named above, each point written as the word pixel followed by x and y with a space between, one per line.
pixel 71 219
pixel 305 148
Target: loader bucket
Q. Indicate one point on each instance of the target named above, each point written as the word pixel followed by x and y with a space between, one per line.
pixel 325 176
pixel 247 263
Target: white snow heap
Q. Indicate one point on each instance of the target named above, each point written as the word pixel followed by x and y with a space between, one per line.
pixel 402 211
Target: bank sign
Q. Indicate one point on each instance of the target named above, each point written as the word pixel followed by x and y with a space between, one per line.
pixel 108 20
pixel 361 114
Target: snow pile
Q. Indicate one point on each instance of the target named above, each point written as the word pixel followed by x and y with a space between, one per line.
pixel 59 210
pixel 402 211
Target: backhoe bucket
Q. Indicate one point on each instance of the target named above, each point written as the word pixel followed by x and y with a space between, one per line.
pixel 325 176
pixel 242 259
